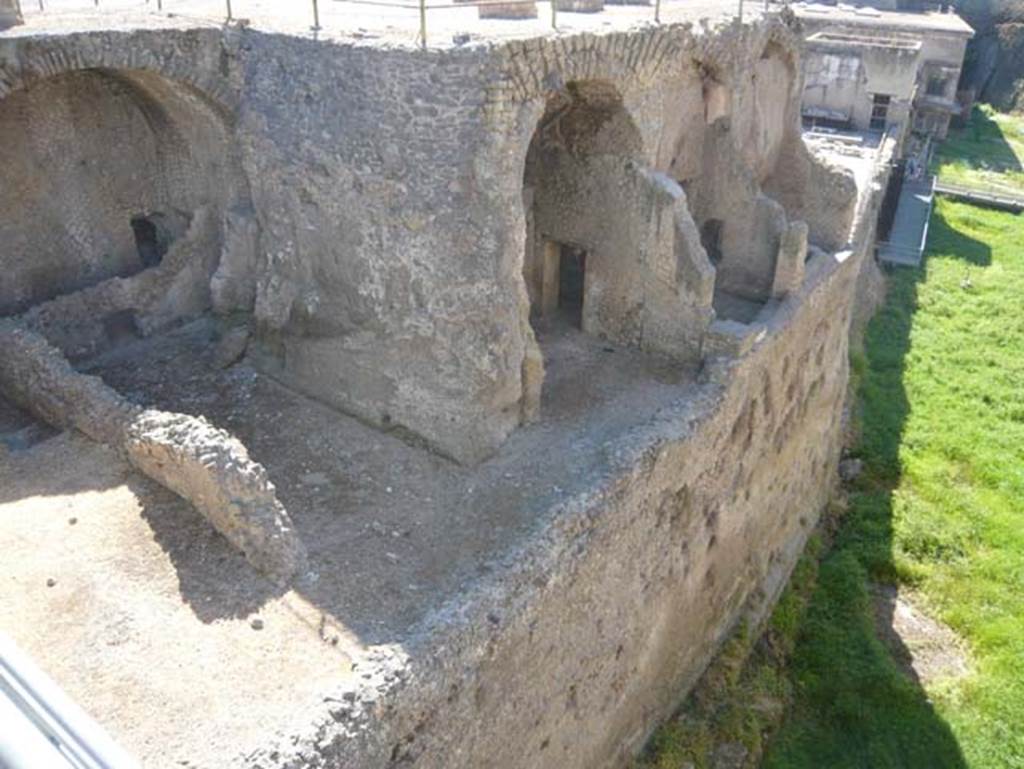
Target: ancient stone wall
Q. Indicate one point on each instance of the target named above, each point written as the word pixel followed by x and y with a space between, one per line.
pixel 573 648
pixel 372 214
pixel 108 168
pixel 380 245
pixel 205 465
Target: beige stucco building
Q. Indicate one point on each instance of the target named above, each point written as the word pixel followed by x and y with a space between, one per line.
pixel 870 69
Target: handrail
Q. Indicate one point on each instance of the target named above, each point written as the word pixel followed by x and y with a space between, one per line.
pixel 43 728
pixel 985 189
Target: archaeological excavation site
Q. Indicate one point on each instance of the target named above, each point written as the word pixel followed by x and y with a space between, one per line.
pixel 366 403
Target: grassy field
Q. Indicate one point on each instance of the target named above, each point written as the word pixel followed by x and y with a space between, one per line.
pixel 989 151
pixel 939 508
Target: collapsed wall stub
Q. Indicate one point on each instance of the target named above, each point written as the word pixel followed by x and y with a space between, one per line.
pixel 205 465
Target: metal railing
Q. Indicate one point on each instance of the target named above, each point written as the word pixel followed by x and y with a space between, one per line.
pixel 232 10
pixel 991 194
pixel 42 727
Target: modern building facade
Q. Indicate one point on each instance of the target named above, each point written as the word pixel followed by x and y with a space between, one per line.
pixel 869 69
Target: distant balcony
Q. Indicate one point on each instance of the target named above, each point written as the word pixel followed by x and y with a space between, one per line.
pixel 937 103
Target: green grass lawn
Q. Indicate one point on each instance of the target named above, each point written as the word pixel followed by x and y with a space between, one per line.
pixel 940 508
pixel 989 151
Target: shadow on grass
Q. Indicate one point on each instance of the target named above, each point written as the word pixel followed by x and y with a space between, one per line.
pixel 857 704
pixel 981 141
pixel 944 238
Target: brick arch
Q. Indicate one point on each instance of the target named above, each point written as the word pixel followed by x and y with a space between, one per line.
pixel 194 59
pixel 108 162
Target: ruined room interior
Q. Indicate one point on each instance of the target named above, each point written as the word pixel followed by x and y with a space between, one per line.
pixel 282 400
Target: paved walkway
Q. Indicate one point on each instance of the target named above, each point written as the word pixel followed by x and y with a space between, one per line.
pixel 910 229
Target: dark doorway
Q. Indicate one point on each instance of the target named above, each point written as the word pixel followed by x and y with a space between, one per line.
pixel 711 239
pixel 149 241
pixel 572 265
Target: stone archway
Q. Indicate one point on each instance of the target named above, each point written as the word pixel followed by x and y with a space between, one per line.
pixel 611 249
pixel 112 174
pixel 584 146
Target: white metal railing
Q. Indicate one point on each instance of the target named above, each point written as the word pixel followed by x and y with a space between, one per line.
pixel 986 193
pixel 41 728
pixel 232 10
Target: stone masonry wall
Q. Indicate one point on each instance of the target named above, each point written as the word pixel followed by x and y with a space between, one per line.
pixel 574 647
pixel 85 152
pixel 379 219
pixel 383 236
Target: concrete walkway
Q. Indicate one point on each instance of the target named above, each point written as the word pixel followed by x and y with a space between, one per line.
pixel 910 229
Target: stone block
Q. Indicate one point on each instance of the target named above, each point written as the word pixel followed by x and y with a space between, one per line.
pixel 789 266
pixel 514 10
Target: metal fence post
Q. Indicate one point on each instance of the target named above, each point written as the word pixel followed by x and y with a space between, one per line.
pixel 228 3
pixel 740 15
pixel 316 15
pixel 554 14
pixel 423 23
pixel 657 11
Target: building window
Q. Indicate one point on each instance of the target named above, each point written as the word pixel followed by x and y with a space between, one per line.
pixel 879 111
pixel 937 85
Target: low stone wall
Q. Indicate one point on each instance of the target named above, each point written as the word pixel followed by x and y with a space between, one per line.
pixel 577 644
pixel 203 464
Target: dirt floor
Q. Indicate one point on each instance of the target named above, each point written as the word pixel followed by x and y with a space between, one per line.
pixel 135 605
